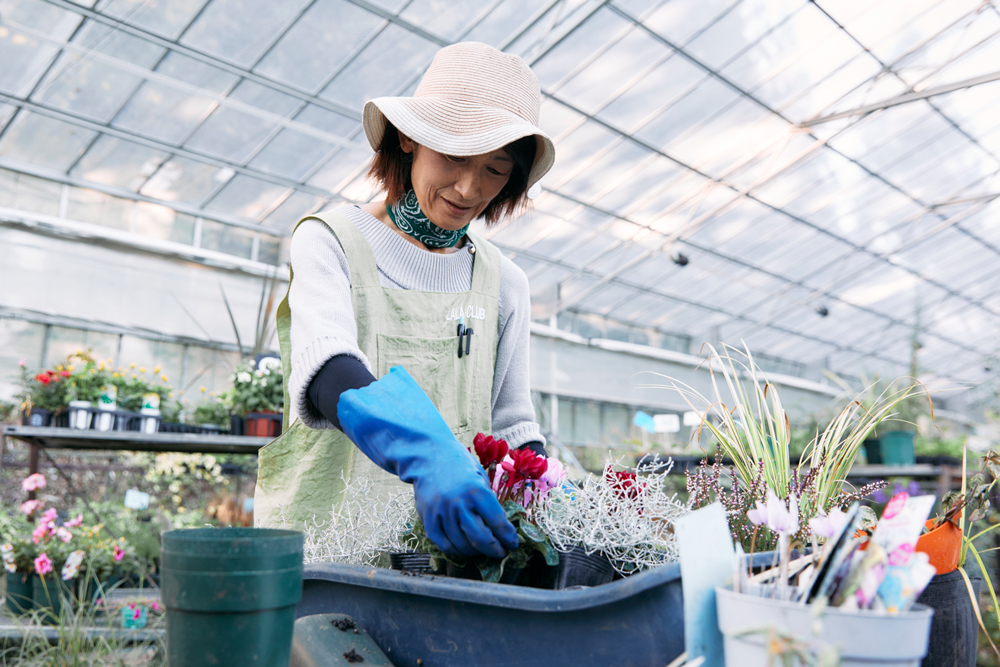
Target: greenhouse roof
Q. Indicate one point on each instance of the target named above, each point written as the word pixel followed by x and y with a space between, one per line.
pixel 828 170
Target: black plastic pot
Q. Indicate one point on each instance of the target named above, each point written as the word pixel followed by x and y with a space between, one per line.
pixel 873 453
pixel 230 595
pixel 954 629
pixel 578 568
pixel 510 575
pixel 235 425
pixel 411 561
pixel 37 417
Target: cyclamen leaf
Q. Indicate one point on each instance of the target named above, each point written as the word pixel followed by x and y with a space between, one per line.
pixel 518 558
pixel 491 569
pixel 551 555
pixel 532 533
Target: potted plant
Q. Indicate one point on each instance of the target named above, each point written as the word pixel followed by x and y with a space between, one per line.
pixel 41 394
pixel 521 480
pixel 258 395
pixel 619 522
pixel 84 388
pixel 837 605
pixel 18 555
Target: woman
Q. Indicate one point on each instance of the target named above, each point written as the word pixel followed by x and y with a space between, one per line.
pixel 403 334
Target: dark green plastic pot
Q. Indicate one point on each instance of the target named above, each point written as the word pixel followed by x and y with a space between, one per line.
pixel 50 593
pixel 230 595
pixel 20 593
pixel 897 448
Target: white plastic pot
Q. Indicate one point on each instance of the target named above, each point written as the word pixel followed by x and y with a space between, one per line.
pixel 150 419
pixel 863 638
pixel 104 420
pixel 79 414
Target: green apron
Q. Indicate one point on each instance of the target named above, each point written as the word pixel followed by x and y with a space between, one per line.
pixel 301 475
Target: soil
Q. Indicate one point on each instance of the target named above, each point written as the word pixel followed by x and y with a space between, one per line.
pixel 352 656
pixel 343 624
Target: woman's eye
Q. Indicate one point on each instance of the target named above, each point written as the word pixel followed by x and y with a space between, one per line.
pixel 454 158
pixel 497 172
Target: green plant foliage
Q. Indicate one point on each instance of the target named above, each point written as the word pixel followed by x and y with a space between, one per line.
pixel 214 411
pixel 257 390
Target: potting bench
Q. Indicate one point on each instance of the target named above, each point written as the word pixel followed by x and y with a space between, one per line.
pixel 48 437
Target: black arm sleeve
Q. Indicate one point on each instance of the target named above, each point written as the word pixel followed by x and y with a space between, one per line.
pixel 338 374
pixel 536 446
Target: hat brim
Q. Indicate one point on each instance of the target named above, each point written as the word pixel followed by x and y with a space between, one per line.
pixel 456 128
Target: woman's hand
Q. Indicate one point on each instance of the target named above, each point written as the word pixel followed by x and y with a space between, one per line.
pixel 397 426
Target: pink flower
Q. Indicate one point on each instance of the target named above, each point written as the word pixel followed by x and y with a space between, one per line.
pixel 98 602
pixel 40 533
pixel 779 518
pixel 50 515
pixel 137 614
pixel 73 523
pixel 155 606
pixel 43 564
pixel 63 534
pixel 21 362
pixel 830 525
pixel 33 482
pixel 119 554
pixel 29 506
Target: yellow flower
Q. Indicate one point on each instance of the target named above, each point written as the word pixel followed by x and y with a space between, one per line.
pixel 134 376
pixel 60 367
pixel 116 374
pixel 156 369
pixel 100 366
pixel 142 369
pixel 202 389
pixel 132 365
pixel 79 352
pixel 164 378
pixel 110 361
pixel 212 394
pixel 70 368
pixel 170 395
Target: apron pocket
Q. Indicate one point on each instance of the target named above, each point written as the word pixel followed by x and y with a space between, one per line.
pixel 434 364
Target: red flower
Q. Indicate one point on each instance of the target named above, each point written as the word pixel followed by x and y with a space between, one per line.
pixel 43 378
pixel 625 484
pixel 524 464
pixel 65 374
pixel 489 450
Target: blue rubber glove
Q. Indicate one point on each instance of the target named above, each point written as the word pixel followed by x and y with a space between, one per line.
pixel 397 426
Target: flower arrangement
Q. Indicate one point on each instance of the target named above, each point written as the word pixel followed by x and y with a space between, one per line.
pixel 47 547
pixel 750 427
pixel 521 480
pixel 259 389
pixel 627 514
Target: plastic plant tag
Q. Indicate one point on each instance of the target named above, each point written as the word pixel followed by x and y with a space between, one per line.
pixel 901 524
pixel 136 499
pixel 707 556
pixel 903 584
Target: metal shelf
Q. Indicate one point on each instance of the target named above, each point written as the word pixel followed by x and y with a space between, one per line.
pixel 134 441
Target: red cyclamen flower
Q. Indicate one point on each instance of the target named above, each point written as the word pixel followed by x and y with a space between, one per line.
pixel 489 450
pixel 625 484
pixel 524 464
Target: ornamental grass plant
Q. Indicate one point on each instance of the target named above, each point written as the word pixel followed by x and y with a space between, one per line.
pixel 746 419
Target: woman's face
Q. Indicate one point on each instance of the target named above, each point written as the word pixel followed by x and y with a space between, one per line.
pixel 454 191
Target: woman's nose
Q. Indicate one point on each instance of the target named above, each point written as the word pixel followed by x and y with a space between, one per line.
pixel 468 184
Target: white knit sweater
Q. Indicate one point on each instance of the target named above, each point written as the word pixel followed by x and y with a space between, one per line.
pixel 323 318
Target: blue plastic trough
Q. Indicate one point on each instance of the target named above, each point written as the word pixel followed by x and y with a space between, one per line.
pixel 435 621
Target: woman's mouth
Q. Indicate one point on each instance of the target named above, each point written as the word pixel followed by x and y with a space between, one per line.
pixel 456 209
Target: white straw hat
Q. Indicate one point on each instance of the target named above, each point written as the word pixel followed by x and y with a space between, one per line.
pixel 473 99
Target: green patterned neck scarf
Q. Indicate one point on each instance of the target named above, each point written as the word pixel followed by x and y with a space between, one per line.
pixel 406 215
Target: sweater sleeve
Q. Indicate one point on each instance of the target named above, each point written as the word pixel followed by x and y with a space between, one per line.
pixel 321 296
pixel 513 413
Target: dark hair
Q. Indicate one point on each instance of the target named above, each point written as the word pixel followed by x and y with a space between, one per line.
pixel 391 169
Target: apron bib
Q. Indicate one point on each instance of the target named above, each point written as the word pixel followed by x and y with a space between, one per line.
pixel 301 475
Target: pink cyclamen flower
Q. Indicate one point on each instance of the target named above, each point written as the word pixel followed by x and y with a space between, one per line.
pixel 39 533
pixel 155 606
pixel 33 482
pixel 50 515
pixel 775 515
pixel 137 614
pixel 21 362
pixel 73 523
pixel 43 564
pixel 119 554
pixel 830 525
pixel 63 534
pixel 29 506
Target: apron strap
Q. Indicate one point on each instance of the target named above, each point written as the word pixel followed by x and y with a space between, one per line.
pixel 360 259
pixel 485 267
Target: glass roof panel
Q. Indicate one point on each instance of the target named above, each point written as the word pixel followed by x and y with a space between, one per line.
pixel 577 149
pixel 449 19
pixel 165 17
pixel 25 57
pixel 167 113
pixel 739 29
pixel 607 171
pixel 826 92
pixel 333 30
pixel 622 65
pixel 657 90
pixel 579 48
pixel 385 65
pixel 501 23
pixel 688 112
pixel 246 197
pixel 240 31
pixel 655 176
pixel 44 141
pixel 679 20
pixel 184 180
pixel 342 168
pixel 115 161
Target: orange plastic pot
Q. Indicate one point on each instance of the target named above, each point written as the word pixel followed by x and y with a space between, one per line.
pixel 943 545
